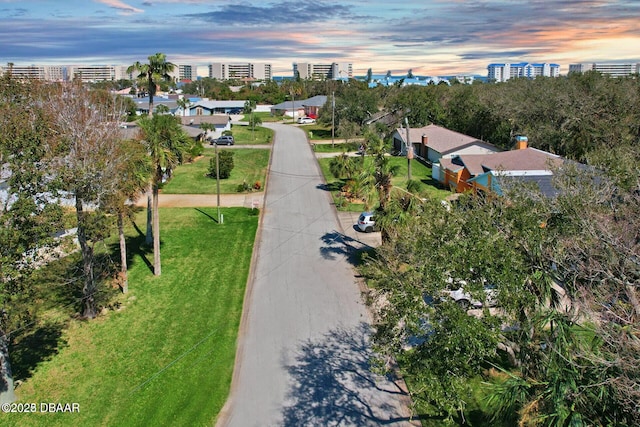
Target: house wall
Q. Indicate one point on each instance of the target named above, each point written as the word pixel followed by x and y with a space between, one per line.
pixel 434 156
pixel 457 180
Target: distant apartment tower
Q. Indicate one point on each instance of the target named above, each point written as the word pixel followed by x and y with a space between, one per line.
pixel 614 70
pixel 96 73
pixel 333 71
pixel 184 72
pixel 504 72
pixel 227 71
pixel 41 72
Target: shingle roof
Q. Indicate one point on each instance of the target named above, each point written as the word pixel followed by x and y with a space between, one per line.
pixel 527 159
pixel 316 101
pixel 442 139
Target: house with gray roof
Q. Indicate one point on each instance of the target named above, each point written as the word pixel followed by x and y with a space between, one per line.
pixel 299 108
pixel 489 172
pixel 433 142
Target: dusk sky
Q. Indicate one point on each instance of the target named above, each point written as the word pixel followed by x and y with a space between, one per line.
pixel 430 37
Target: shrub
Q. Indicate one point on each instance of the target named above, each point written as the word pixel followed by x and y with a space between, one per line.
pixel 225 164
pixel 257 185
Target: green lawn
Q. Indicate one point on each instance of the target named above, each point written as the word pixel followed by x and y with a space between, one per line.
pixel 244 136
pixel 265 116
pixel 166 355
pixel 250 166
pixel 419 172
pixel 336 148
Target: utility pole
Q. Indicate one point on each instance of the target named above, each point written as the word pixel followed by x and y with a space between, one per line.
pixel 409 149
pixel 333 117
pixel 218 181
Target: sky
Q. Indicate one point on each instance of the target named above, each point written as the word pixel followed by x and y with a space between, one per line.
pixel 429 37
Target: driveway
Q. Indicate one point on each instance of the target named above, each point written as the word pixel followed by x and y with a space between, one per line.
pixel 303 350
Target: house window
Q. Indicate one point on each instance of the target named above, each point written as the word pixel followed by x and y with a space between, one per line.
pixel 199 111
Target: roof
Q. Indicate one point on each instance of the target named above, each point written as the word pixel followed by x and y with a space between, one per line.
pixel 216 119
pixel 316 101
pixel 527 159
pixel 217 104
pixel 442 139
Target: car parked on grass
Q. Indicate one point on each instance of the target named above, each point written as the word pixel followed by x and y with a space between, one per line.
pixel 306 120
pixel 223 140
pixel 366 222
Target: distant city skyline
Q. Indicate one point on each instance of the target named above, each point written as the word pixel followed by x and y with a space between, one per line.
pixel 430 37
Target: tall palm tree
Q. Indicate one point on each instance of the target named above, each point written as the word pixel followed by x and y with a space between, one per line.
pixel 156 70
pixel 165 142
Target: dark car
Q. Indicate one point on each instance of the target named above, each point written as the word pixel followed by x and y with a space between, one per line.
pixel 223 140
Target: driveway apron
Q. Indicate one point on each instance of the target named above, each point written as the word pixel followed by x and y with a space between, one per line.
pixel 304 343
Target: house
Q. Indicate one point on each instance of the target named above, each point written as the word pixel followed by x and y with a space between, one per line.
pixel 207 108
pixel 434 142
pixel 313 105
pixel 486 172
pixel 221 122
pixel 300 108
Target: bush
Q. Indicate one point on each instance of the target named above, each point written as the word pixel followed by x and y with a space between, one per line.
pixel 257 185
pixel 225 164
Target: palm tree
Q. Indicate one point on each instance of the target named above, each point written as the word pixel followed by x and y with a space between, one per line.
pixel 165 142
pixel 183 103
pixel 135 174
pixel 156 70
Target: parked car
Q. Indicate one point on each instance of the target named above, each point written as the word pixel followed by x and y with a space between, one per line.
pixel 466 301
pixel 366 222
pixel 223 140
pixel 306 120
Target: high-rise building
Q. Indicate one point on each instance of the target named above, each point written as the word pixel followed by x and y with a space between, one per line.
pixel 96 73
pixel 41 72
pixel 333 71
pixel 614 70
pixel 184 72
pixel 227 71
pixel 505 71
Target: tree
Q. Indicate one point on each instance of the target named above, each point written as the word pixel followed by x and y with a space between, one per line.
pixel 162 109
pixel 565 272
pixel 225 160
pixel 369 75
pixel 28 218
pixel 410 74
pixel 249 106
pixel 183 103
pixel 134 174
pixel 88 165
pixel 165 142
pixel 153 73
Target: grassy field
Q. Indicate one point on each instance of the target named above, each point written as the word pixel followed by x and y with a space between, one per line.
pixel 419 172
pixel 250 166
pixel 244 136
pixel 165 356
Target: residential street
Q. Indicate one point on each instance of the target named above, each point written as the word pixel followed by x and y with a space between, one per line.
pixel 303 344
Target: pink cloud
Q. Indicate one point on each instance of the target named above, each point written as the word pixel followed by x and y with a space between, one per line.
pixel 117 4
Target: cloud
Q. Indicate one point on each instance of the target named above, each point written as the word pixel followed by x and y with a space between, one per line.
pixel 117 4
pixel 287 12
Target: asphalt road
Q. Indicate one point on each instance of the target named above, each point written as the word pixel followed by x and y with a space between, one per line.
pixel 303 346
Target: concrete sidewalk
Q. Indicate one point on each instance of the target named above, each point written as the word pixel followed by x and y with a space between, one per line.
pixel 247 200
